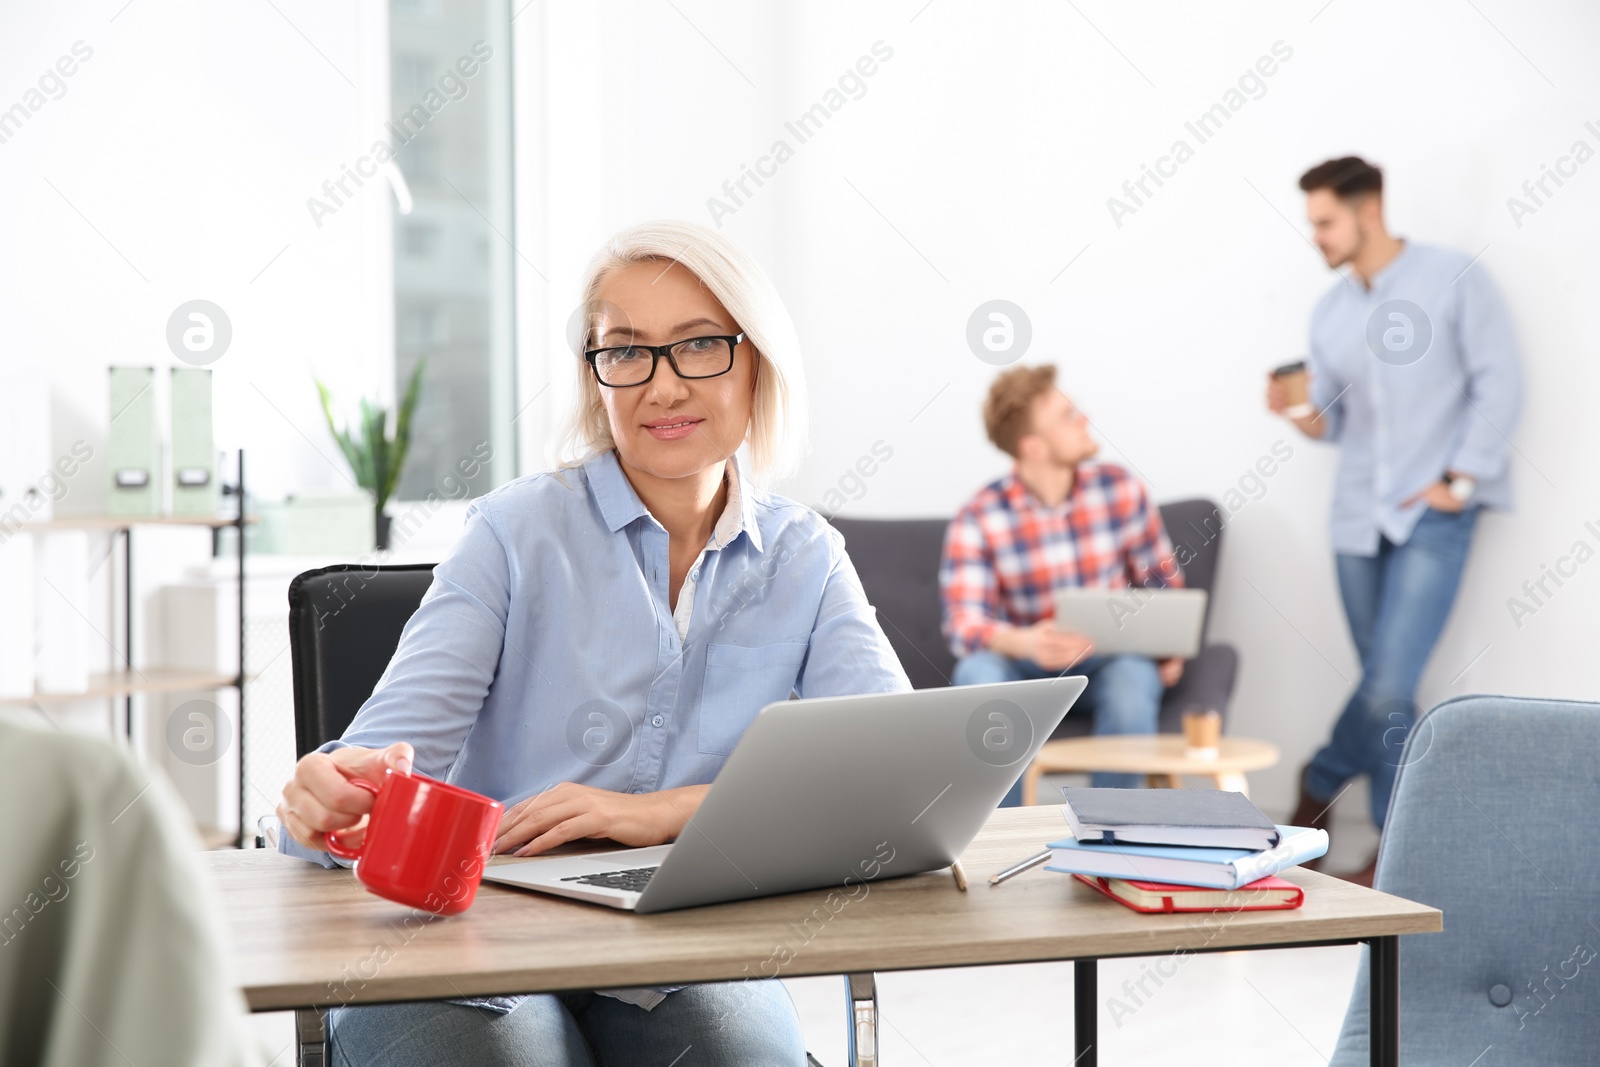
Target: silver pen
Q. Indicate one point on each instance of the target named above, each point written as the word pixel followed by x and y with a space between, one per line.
pixel 1026 865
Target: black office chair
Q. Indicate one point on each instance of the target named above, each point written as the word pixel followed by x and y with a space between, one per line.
pixel 898 560
pixel 345 623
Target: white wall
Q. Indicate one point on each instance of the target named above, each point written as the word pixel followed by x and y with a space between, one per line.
pixel 176 165
pixel 978 164
pixel 190 141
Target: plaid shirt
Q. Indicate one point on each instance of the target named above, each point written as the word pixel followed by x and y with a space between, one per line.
pixel 1006 553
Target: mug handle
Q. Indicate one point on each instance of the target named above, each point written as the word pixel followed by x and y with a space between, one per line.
pixel 335 846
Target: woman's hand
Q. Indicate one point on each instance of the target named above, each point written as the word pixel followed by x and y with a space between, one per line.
pixel 569 812
pixel 320 797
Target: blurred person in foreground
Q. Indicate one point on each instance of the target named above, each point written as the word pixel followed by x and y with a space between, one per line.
pixel 111 941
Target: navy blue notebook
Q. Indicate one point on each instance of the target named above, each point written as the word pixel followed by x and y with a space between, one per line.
pixel 1203 818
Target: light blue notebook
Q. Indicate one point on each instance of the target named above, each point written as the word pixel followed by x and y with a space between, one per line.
pixel 1217 868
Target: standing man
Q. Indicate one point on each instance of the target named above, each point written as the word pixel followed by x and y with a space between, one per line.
pixel 1056 520
pixel 1414 376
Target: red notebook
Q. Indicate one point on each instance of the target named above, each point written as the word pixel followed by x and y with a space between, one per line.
pixel 1266 894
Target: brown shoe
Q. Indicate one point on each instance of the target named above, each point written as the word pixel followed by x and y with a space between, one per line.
pixel 1365 875
pixel 1310 812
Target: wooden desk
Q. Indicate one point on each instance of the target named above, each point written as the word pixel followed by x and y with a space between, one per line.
pixel 304 936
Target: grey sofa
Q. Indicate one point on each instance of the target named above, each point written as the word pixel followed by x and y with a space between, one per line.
pixel 898 560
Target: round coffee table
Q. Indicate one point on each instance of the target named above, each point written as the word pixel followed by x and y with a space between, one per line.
pixel 1162 758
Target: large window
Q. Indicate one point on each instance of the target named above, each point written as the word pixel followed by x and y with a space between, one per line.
pixel 450 107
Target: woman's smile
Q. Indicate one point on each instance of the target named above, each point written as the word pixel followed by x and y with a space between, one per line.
pixel 673 427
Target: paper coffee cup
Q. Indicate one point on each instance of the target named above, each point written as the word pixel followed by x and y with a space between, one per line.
pixel 1202 733
pixel 1297 386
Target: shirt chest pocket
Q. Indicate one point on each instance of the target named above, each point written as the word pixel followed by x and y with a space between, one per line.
pixel 740 680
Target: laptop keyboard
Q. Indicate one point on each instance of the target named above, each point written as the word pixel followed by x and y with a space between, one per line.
pixel 633 880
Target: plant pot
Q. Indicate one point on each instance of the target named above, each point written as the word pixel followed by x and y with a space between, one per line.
pixel 381 530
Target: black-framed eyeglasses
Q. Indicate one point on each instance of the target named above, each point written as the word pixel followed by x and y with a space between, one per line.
pixel 697 357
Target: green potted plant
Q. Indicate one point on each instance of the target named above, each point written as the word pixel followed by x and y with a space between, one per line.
pixel 375 457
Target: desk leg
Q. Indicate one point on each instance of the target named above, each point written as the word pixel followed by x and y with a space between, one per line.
pixel 1085 1012
pixel 1383 971
pixel 310 1038
pixel 861 1000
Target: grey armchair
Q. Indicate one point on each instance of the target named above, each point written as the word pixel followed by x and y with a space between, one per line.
pixel 898 560
pixel 1490 822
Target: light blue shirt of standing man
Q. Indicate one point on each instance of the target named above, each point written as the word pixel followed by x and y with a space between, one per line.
pixel 1415 377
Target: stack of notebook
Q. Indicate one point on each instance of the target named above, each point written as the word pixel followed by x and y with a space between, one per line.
pixel 1181 849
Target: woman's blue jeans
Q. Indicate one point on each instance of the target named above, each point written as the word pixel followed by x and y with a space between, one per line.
pixel 1396 602
pixel 726 1024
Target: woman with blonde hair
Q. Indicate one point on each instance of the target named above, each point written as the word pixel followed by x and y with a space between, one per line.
pixel 602 634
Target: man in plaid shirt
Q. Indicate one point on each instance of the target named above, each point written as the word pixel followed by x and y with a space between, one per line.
pixel 1056 520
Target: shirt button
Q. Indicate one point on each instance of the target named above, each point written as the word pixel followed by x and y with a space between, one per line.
pixel 695 574
pixel 657 721
pixel 1499 994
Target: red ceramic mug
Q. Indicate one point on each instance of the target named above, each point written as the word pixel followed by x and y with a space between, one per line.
pixel 426 842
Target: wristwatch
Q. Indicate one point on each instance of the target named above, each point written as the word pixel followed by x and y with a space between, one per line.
pixel 1461 486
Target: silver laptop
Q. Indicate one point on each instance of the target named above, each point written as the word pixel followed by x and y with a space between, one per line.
pixel 1151 622
pixel 833 791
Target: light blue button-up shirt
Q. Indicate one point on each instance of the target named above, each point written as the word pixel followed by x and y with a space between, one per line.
pixel 1409 395
pixel 545 650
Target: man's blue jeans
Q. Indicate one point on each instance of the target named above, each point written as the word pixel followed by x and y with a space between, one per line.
pixel 1396 603
pixel 1124 696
